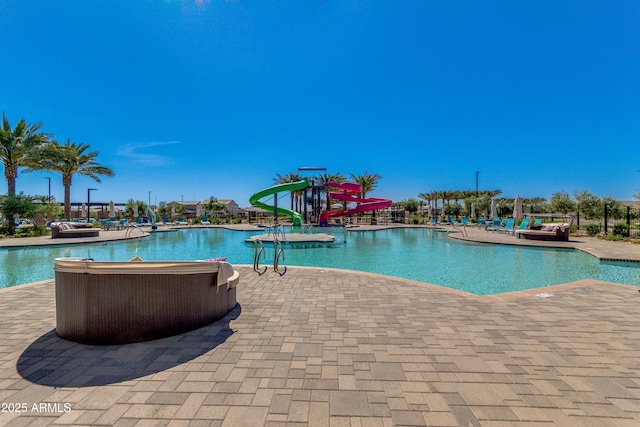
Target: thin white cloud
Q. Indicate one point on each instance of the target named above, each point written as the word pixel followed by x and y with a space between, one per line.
pixel 144 153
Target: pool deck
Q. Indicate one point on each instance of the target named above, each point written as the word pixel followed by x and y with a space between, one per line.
pixel 328 347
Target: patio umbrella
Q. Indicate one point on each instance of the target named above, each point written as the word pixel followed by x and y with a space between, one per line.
pixel 135 209
pixel 173 211
pixel 83 211
pixel 494 209
pixel 518 212
pixel 429 209
pixel 473 210
pixel 198 210
pixel 112 210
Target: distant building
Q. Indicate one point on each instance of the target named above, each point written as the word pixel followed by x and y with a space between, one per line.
pixel 231 208
pixel 191 208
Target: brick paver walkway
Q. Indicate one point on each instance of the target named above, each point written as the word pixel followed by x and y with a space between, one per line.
pixel 323 347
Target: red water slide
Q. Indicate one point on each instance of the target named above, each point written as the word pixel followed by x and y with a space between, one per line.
pixel 348 191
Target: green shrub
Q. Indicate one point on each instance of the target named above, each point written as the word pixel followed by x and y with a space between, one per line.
pixel 592 229
pixel 35 230
pixel 621 229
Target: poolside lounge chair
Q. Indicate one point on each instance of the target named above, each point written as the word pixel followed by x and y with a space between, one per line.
pixel 165 221
pixel 482 222
pixel 67 229
pixel 181 221
pixel 497 224
pixel 450 220
pixel 523 225
pixel 537 224
pixel 433 221
pixel 140 222
pixel 553 233
pixel 508 227
pixel 205 220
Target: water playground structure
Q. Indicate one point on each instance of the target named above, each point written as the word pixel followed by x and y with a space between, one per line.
pixel 273 191
pixel 347 192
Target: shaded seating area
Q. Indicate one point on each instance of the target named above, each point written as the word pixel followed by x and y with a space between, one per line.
pixel 124 302
pixel 73 230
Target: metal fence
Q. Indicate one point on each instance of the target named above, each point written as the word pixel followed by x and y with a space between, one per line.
pixel 625 223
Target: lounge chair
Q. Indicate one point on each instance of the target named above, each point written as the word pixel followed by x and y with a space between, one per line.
pixel 497 224
pixel 482 222
pixel 537 224
pixel 205 220
pixel 450 220
pixel 70 230
pixel 508 227
pixel 165 221
pixel 140 222
pixel 553 233
pixel 181 221
pixel 434 221
pixel 523 225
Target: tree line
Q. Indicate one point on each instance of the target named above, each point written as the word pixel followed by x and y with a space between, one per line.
pixel 458 202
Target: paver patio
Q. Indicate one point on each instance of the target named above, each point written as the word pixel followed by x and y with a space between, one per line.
pixel 324 347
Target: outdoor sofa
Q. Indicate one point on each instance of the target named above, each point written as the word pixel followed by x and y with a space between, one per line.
pixel 553 233
pixel 126 302
pixel 70 229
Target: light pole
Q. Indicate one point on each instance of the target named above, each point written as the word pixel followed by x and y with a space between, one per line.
pixel 49 197
pixel 89 202
pixel 477 173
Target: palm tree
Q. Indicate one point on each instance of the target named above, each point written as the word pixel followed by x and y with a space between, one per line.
pixel 324 178
pixel 286 179
pixel 367 181
pixel 17 146
pixel 427 197
pixel 68 160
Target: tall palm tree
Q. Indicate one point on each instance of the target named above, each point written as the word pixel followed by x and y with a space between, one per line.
pixel 324 178
pixel 17 146
pixel 367 181
pixel 68 160
pixel 286 179
pixel 427 197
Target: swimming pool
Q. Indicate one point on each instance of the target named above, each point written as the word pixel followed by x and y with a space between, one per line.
pixel 413 253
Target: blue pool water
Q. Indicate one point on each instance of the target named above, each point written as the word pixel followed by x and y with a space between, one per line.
pixel 413 253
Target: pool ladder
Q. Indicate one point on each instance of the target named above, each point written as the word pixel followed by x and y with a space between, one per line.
pixel 131 229
pixel 279 237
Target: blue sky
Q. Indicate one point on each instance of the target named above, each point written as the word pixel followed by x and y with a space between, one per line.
pixel 191 99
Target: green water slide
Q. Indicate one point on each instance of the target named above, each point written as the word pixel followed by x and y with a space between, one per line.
pixel 290 186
